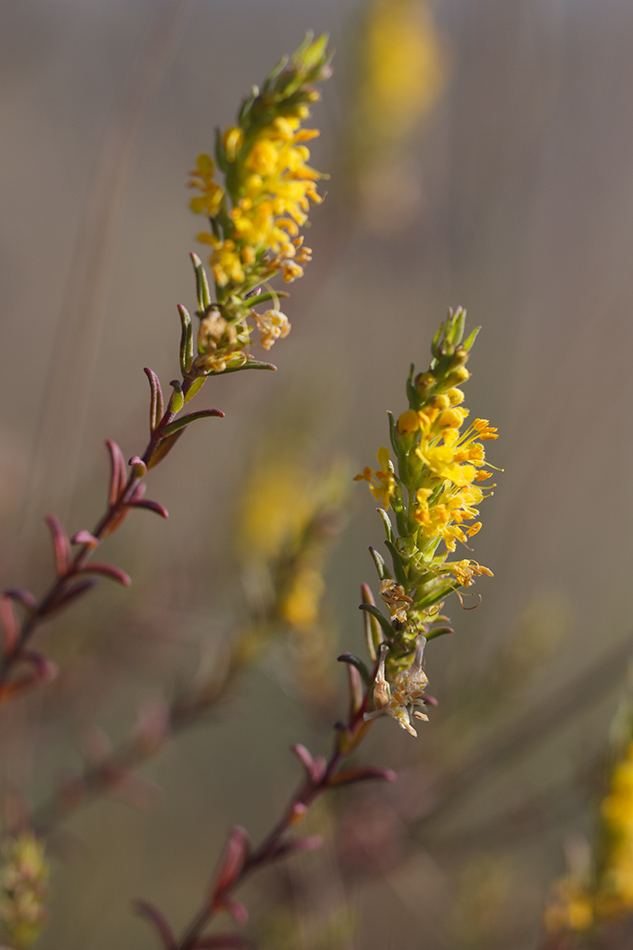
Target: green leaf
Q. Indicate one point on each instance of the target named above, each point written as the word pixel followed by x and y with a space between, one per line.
pixel 177 400
pixel 438 632
pixel 184 421
pixel 249 364
pixel 393 433
pixel 470 339
pixel 163 448
pixel 202 284
pixel 381 567
pixel 380 617
pixel 358 664
pixel 387 523
pixel 398 566
pixel 186 340
pixel 458 326
pixel 195 387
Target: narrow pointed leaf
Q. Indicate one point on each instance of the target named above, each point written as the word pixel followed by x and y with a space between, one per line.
pixel 386 520
pixel 184 421
pixel 108 570
pixel 361 774
pixel 306 759
pixel 265 297
pixel 232 860
pixel 10 624
pixel 438 632
pixel 383 571
pixel 149 506
pixel 393 434
pixel 358 664
pixel 355 688
pixel 382 620
pixel 163 448
pixel 156 407
pixel 470 339
pixel 249 364
pixel 195 387
pixel 372 630
pixel 398 569
pixel 117 477
pixel 186 340
pixel 73 593
pixel 23 596
pixel 154 916
pixel 45 669
pixel 202 284
pixel 61 545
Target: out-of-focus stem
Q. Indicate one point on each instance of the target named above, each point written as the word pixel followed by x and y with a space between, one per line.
pixel 41 610
pixel 347 739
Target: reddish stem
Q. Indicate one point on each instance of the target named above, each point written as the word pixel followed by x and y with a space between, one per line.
pixel 348 737
pixel 108 523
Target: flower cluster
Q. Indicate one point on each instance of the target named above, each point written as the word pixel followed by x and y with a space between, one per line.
pixel 23 890
pixel 604 893
pixel 432 486
pixel 256 214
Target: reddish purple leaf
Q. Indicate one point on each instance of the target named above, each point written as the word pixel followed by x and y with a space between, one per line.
pixel 232 860
pixel 72 593
pixel 61 545
pixel 305 757
pixel 156 409
pixel 108 570
pixel 237 910
pixel 10 624
pixel 154 916
pixel 45 669
pixel 361 774
pixel 295 845
pixel 23 596
pixel 163 448
pixel 139 492
pixel 117 478
pixel 149 506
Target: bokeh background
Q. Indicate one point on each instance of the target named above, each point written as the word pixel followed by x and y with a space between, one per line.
pixel 495 172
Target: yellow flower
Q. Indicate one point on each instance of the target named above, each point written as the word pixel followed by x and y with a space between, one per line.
pixel 384 484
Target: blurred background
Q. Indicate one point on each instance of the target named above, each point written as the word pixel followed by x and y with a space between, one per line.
pixel 481 154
